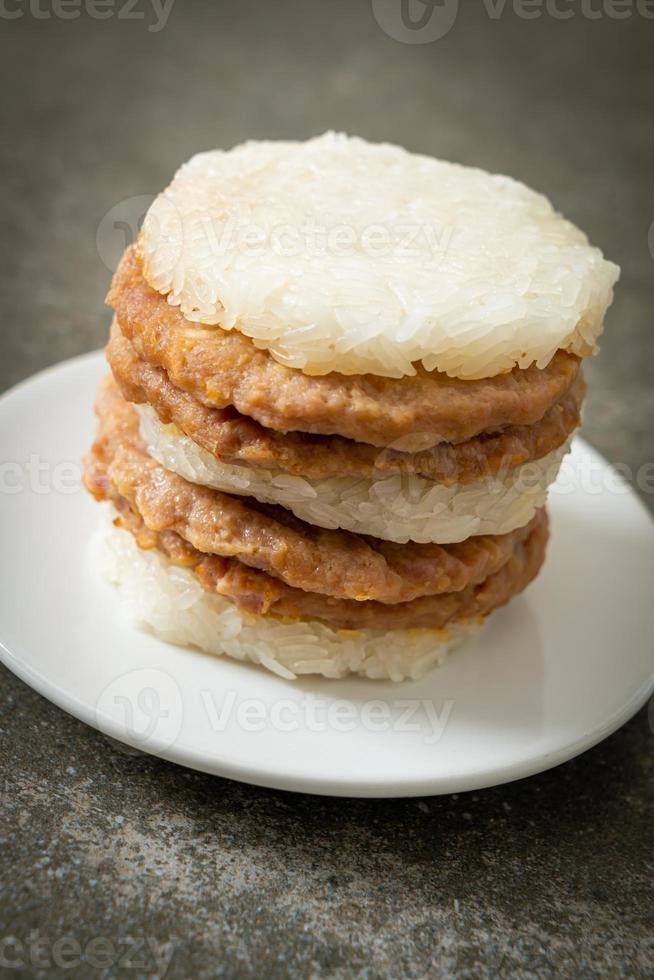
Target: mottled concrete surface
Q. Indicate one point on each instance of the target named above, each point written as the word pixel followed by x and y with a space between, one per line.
pixel 550 877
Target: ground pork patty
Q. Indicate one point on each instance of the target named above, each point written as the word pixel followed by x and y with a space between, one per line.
pixel 333 563
pixel 222 368
pixel 255 592
pixel 236 439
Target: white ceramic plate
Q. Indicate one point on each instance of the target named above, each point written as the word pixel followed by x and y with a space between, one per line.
pixel 561 668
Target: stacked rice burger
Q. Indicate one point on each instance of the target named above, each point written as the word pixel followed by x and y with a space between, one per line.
pixel 343 377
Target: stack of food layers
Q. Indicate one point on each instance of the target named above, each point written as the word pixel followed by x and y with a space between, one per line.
pixel 343 378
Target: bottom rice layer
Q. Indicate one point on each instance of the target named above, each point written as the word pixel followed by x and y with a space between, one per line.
pixel 172 602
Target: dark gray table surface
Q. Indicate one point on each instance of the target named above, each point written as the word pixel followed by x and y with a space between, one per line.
pixel 548 877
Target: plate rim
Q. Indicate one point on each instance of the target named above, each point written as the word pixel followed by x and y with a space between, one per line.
pixel 314 785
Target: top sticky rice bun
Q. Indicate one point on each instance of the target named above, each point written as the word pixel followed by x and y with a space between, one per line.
pixel 341 255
